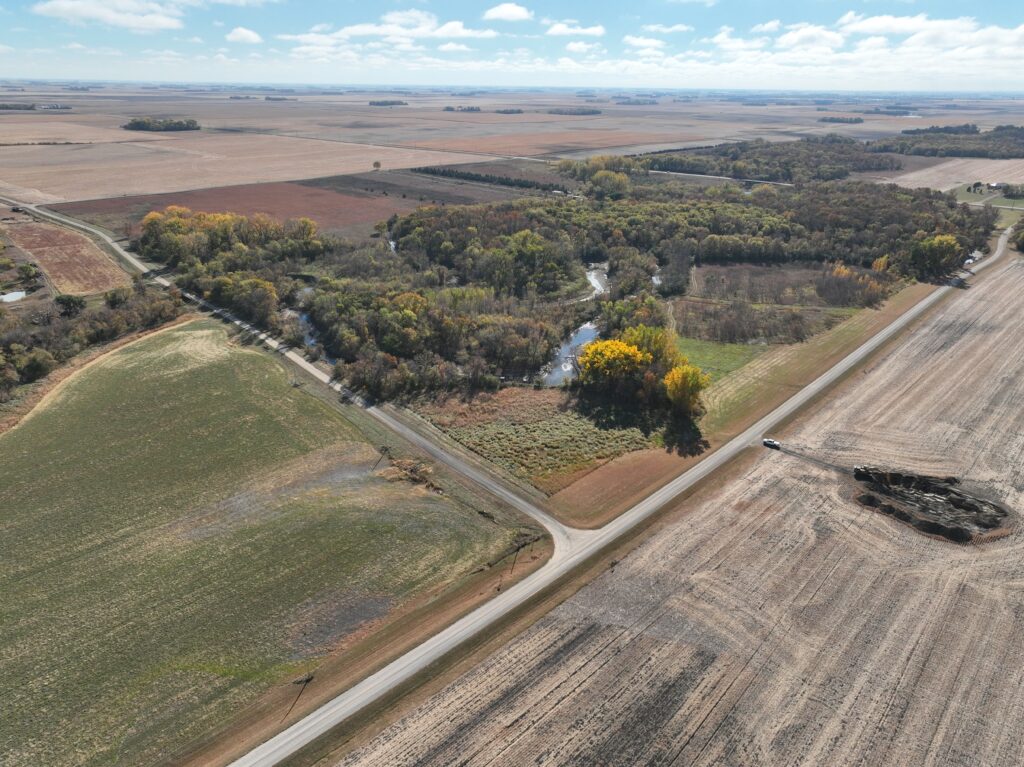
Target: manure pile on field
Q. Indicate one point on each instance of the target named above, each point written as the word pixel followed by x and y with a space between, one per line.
pixel 932 505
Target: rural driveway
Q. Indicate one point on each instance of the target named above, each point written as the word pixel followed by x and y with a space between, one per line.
pixel 571 547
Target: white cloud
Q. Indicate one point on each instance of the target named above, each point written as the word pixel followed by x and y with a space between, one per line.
pixel 708 3
pixel 6 49
pixel 665 29
pixel 578 46
pixel 243 35
pixel 561 28
pixel 136 15
pixel 321 28
pixel 74 47
pixel 408 24
pixel 767 27
pixel 453 48
pixel 195 39
pixel 810 36
pixel 508 12
pixel 642 42
pixel 726 42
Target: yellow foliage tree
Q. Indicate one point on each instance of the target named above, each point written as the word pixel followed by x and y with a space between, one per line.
pixel 683 387
pixel 605 364
pixel 660 343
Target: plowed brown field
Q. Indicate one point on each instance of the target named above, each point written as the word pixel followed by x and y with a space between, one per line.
pixel 779 623
pixel 72 262
pixel 333 211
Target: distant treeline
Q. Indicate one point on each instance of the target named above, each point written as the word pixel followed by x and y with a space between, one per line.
pixel 508 111
pixel 461 109
pixel 17 107
pixel 825 158
pixel 1004 142
pixel 389 103
pixel 841 120
pixel 636 102
pixel 574 111
pixel 156 124
pixel 490 178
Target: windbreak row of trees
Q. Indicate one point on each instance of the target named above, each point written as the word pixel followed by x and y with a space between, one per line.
pixel 156 124
pixel 489 178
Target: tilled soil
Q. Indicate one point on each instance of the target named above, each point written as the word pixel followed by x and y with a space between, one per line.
pixel 779 622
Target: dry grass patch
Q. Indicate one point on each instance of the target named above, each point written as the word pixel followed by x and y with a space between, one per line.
pixel 71 261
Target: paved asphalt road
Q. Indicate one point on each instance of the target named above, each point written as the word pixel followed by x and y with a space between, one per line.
pixel 572 547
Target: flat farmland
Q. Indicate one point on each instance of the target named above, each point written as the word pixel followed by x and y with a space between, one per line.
pixel 353 213
pixel 185 532
pixel 350 205
pixel 773 620
pixel 192 160
pixel 951 173
pixel 72 262
pixel 25 129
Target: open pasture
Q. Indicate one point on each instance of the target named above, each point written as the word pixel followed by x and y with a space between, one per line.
pixel 774 620
pixel 184 531
pixel 72 262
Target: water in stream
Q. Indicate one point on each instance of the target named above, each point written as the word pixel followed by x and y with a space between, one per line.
pixel 562 368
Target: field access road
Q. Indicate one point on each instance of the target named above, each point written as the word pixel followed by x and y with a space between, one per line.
pixel 571 547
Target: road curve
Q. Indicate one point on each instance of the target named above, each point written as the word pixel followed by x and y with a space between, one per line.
pixel 569 553
pixel 571 546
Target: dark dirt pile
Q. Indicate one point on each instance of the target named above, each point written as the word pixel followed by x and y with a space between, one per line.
pixel 933 505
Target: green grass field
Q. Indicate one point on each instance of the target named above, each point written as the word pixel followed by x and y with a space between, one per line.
pixel 181 529
pixel 715 359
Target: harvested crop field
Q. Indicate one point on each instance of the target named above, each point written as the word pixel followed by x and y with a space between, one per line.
pixel 553 142
pixel 951 173
pixel 353 213
pixel 71 261
pixel 776 621
pixel 32 130
pixel 417 188
pixel 197 160
pixel 185 531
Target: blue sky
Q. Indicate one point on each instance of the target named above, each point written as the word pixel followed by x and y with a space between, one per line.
pixel 804 44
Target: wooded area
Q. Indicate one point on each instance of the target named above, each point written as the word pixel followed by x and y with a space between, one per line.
pixel 826 158
pixel 158 125
pixel 469 295
pixel 1004 142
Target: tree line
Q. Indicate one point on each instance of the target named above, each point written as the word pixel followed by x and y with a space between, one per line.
pixel 1002 142
pixel 33 345
pixel 824 158
pixel 489 178
pixel 156 124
